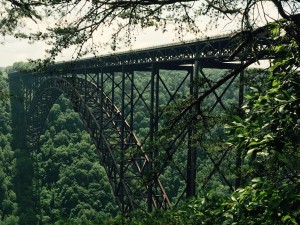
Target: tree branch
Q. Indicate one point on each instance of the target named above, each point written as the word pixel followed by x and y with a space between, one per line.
pixel 225 11
pixel 281 10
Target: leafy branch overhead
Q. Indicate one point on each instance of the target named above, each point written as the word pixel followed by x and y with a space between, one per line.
pixel 90 25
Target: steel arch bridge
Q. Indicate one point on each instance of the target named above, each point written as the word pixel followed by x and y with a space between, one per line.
pixel 104 92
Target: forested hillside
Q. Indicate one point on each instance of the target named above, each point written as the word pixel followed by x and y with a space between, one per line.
pixel 69 184
pixel 8 205
pixel 71 187
pixel 72 183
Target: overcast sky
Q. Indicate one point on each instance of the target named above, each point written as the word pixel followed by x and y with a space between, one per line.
pixel 13 50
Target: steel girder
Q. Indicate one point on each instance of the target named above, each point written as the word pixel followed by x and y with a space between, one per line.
pixel 213 52
pixel 120 152
pixel 94 96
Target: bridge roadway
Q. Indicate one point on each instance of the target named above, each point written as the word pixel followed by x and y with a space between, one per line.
pixel 223 52
pixel 104 92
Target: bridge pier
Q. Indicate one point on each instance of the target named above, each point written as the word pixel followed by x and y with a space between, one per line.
pixel 192 151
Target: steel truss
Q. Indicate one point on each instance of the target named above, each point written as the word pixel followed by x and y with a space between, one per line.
pixel 119 150
pixel 95 87
pixel 213 52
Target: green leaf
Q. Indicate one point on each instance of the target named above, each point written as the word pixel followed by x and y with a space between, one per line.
pixel 256 180
pixel 275 83
pixel 252 144
pixel 288 218
pixel 281 108
pixel 237 119
pixel 233 198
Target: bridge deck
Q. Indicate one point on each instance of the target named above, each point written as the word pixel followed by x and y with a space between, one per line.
pixel 214 52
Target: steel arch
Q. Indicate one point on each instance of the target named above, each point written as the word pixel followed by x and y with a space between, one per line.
pixel 119 150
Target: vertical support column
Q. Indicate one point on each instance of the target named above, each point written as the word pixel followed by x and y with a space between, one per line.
pixel 154 96
pixel 238 162
pixel 192 156
pixel 156 107
pixel 28 85
pixel 98 78
pixel 112 74
pixel 100 86
pixel 131 100
pixel 156 116
pixel 85 86
pixel 121 191
pixel 150 154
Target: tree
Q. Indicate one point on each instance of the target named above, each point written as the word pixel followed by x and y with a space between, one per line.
pixel 83 23
pixel 268 134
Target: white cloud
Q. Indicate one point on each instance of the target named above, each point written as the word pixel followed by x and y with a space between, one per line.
pixel 13 50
